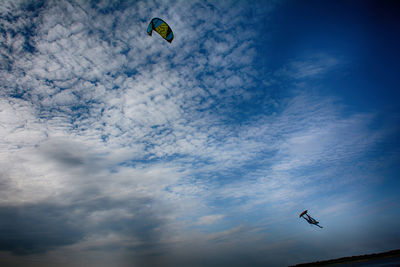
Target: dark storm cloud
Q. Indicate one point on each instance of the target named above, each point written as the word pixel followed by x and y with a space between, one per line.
pixel 140 222
pixel 69 154
pixel 36 228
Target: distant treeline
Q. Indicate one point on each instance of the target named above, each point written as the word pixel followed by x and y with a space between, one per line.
pixel 367 257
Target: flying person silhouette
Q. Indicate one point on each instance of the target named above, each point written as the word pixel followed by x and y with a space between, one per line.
pixel 309 219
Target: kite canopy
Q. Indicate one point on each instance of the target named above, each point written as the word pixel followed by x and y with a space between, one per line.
pixel 304 212
pixel 162 28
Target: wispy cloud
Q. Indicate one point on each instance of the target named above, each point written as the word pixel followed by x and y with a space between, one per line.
pixel 309 67
pixel 209 219
pixel 123 140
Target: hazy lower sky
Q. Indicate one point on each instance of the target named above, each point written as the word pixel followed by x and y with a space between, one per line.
pixel 120 149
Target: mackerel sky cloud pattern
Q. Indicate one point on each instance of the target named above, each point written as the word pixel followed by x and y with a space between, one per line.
pixel 121 149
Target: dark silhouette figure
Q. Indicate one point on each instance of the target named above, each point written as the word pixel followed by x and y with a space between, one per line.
pixel 309 219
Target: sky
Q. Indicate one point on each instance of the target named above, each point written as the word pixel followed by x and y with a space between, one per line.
pixel 120 149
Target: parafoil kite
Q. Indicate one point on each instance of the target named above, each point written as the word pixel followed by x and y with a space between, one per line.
pixel 162 28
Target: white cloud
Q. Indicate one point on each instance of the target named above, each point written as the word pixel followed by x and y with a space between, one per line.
pixel 311 67
pixel 209 219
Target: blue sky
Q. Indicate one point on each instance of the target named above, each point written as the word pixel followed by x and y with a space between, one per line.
pixel 121 149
